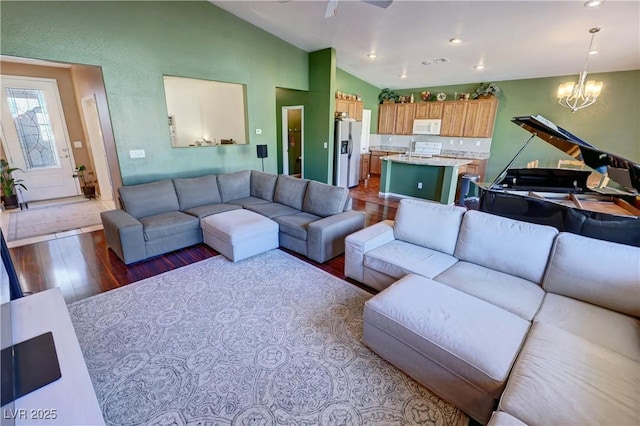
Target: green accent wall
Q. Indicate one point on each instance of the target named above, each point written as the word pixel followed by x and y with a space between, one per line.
pixel 318 126
pixel 351 84
pixel 135 44
pixel 612 124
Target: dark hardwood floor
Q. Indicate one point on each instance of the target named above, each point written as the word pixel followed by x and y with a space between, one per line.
pixel 82 265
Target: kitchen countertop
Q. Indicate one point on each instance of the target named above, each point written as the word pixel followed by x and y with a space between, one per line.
pixel 426 161
pixel 445 152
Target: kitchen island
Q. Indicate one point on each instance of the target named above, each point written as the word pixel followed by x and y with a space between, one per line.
pixel 429 178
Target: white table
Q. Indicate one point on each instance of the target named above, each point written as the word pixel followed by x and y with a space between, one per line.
pixel 70 399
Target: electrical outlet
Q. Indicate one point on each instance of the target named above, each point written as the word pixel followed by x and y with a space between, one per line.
pixel 77 144
pixel 325 145
pixel 477 143
pixel 258 131
pixel 419 185
pixel 450 141
pixel 461 142
pixel 137 153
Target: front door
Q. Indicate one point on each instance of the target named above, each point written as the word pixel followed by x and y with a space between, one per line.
pixel 36 137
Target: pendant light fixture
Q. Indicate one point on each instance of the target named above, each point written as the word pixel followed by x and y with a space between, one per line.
pixel 576 96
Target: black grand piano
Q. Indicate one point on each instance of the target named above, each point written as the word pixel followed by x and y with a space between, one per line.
pixel 568 199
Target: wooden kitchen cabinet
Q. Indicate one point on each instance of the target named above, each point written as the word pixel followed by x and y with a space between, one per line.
pixel 477 167
pixel 431 110
pixel 376 163
pixel 359 109
pixel 365 162
pixel 480 118
pixel 351 107
pixel 454 114
pixel 405 113
pixel 386 119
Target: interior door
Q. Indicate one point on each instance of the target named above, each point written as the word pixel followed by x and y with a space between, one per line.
pixel 36 137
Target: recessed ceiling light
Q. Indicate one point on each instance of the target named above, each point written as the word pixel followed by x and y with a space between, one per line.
pixel 593 52
pixel 403 75
pixel 440 60
pixel 593 3
pixel 427 62
pixel 479 67
pixel 455 40
pixel 371 55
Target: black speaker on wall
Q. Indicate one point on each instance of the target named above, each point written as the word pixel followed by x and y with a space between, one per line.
pixel 262 153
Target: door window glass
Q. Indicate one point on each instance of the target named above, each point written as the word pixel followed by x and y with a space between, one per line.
pixel 29 111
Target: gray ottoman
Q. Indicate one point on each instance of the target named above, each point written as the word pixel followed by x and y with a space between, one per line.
pixel 239 234
pixel 457 345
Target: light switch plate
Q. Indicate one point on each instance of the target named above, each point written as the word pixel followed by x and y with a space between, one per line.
pixel 258 131
pixel 137 153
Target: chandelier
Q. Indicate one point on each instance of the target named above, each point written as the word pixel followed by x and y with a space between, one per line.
pixel 584 93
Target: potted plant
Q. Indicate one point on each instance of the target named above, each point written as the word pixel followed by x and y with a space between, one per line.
pixel 9 184
pixel 486 90
pixel 387 97
pixel 87 181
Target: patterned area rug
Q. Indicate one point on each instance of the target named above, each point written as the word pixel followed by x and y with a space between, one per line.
pixel 34 222
pixel 268 340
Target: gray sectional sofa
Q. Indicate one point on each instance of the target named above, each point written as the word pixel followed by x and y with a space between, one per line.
pixel 163 216
pixel 495 314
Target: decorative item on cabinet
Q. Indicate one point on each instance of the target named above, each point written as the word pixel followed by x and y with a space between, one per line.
pixel 486 90
pixel 350 107
pixel 387 96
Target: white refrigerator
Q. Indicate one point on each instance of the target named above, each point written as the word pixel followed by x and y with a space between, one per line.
pixel 346 164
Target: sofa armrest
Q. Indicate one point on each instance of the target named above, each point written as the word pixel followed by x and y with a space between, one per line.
pixel 325 237
pixel 359 243
pixel 124 235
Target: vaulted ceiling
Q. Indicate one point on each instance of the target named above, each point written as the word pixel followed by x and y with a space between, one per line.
pixel 511 39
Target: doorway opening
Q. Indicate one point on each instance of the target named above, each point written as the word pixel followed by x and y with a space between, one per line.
pixel 55 118
pixel 293 140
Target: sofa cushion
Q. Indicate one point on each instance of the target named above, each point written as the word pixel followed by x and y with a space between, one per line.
pixel 506 245
pixel 430 225
pixel 599 272
pixel 296 224
pixel 272 210
pixel 243 202
pixel 442 324
pixel 500 418
pixel 324 200
pixel 399 258
pixel 290 191
pixel 234 186
pixel 613 330
pixel 516 295
pixel 203 211
pixel 263 185
pixel 194 192
pixel 148 199
pixel 563 379
pixel 167 224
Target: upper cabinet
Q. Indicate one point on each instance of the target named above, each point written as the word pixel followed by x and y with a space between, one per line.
pixel 429 110
pixel 481 116
pixel 454 114
pixel 387 119
pixel 352 107
pixel 405 113
pixel 472 119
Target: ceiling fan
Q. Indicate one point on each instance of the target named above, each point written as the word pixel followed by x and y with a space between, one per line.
pixel 332 6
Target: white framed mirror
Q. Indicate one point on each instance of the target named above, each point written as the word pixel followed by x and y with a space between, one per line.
pixel 205 112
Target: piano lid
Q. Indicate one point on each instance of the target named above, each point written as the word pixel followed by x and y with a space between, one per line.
pixel 620 170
